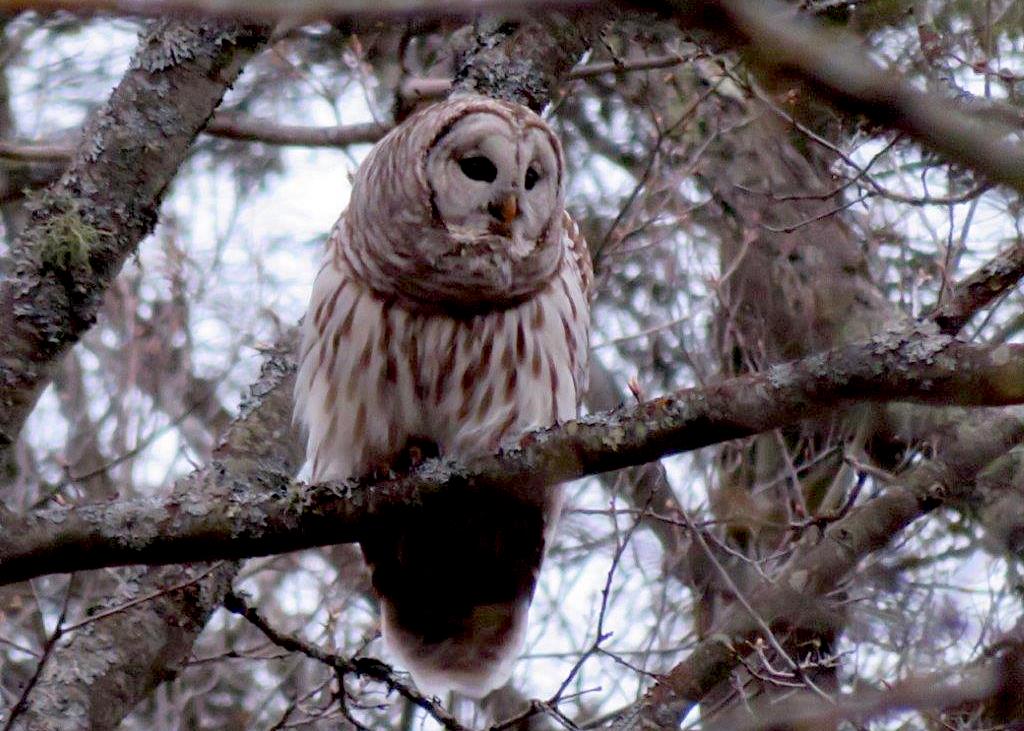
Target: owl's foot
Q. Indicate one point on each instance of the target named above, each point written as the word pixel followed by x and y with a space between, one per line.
pixel 380 471
pixel 416 451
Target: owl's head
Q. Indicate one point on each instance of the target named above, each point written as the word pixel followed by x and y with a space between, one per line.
pixel 461 206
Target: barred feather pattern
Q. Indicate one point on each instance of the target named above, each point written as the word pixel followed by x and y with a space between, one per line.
pixel 381 369
pixel 374 374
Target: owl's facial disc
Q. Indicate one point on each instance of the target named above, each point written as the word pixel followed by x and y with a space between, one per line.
pixel 494 185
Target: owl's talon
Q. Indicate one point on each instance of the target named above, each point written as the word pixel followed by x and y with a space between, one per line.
pixel 379 472
pixel 416 456
pixel 417 451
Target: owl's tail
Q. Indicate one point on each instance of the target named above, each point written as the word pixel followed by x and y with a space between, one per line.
pixel 455 579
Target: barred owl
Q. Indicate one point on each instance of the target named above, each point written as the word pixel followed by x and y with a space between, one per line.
pixel 451 314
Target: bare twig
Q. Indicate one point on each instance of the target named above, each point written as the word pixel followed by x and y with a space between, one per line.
pixel 366 667
pixel 58 631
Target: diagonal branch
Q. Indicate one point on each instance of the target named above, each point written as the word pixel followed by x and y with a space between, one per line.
pixel 838 68
pixel 86 225
pixel 227 517
pixel 366 667
pixel 988 283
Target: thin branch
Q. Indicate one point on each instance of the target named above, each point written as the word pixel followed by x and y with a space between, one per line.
pixel 226 125
pixel 41 152
pixel 366 667
pixel 790 228
pixel 163 591
pixel 58 631
pixel 236 126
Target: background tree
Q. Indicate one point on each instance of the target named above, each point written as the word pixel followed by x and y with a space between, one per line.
pixel 832 542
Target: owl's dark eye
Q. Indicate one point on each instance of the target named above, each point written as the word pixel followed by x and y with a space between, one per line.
pixel 478 168
pixel 532 176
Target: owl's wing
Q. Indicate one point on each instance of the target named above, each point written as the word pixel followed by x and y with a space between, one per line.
pixel 581 269
pixel 331 330
pixel 580 254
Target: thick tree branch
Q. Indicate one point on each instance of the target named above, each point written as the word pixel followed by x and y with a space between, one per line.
pixel 86 225
pixel 228 518
pixel 291 11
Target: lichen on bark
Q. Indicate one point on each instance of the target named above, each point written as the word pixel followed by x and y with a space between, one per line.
pixel 63 240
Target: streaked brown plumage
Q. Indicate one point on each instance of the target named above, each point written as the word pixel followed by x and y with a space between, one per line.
pixel 451 313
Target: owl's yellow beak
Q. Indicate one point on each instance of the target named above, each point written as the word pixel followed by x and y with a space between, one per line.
pixel 509 208
pixel 504 211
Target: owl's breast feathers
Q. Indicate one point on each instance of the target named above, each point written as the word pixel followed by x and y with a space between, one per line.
pixel 373 372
